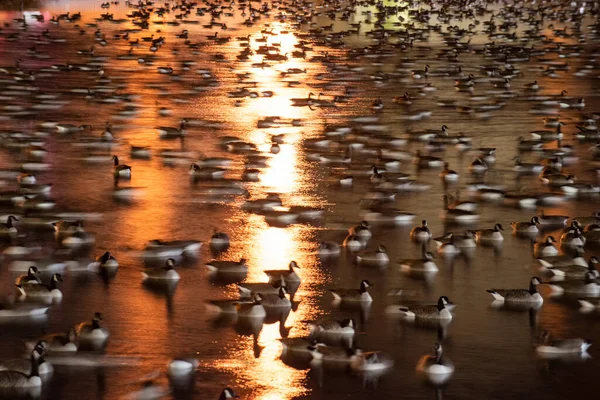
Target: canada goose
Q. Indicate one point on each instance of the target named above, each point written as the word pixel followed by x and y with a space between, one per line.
pixel 208 173
pixel 255 309
pixel 437 367
pixel 121 170
pixel 427 161
pixel 30 278
pixel 353 295
pixel 546 248
pixel 378 258
pixel 248 289
pixel 166 273
pixel 18 381
pixel 564 260
pixel 425 264
pixel 549 347
pixel 92 332
pixel 64 342
pixel 587 287
pixel 333 330
pixel 421 232
pixel 8 228
pixel 219 239
pixel 288 275
pixel 576 271
pixel 493 235
pixel 429 312
pixel 519 295
pixel 279 300
pixel 448 175
pixel 227 266
pixel 41 291
pixel 39 350
pixel 526 227
pixel 181 367
pixel 456 215
pixel 328 249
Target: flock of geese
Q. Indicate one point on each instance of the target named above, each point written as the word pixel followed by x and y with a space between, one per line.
pixel 360 153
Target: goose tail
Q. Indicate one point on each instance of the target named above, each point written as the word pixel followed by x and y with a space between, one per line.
pixel 496 295
pixel 556 288
pixel 21 290
pixel 585 304
pixel 544 263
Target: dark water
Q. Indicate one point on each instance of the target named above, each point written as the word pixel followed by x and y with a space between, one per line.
pixel 493 350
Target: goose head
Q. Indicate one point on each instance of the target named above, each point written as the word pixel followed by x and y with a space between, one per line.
pixel 116 160
pixel 349 322
pixel 170 264
pixel 96 320
pixel 32 270
pixel 592 264
pixel 381 249
pixel 105 257
pixel 364 285
pixel 293 265
pixel 57 278
pixel 535 220
pixel 424 223
pixel 498 227
pixel 442 301
pixel 194 167
pixel 437 351
pixel 550 240
pixel 228 393
pixel 242 261
pixel 533 283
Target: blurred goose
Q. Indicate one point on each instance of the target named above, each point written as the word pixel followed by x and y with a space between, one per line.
pixel 362 230
pixel 588 304
pixel 576 271
pixel 430 312
pixel 448 175
pixel 424 264
pixel 30 278
pixel 227 266
pixel 354 242
pixel 421 232
pixel 39 351
pixel 527 168
pixel 455 215
pixel 252 310
pixel 279 300
pixel 519 295
pixel 8 228
pixel 437 367
pixel 288 275
pixel 15 380
pixel 41 291
pixel 564 260
pixel 556 347
pixel 370 362
pixel 378 258
pixel 182 367
pixel 478 166
pixel 248 289
pixel 121 170
pixel 92 332
pixel 219 239
pixel 546 248
pixel 64 342
pixel 328 249
pixel 588 287
pixel 332 329
pixel 427 161
pixel 493 235
pixel 210 173
pixel 166 273
pixel 353 295
pixel 526 227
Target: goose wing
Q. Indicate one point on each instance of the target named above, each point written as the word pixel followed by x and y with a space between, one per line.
pixel 330 324
pixel 568 344
pixel 12 379
pixel 345 292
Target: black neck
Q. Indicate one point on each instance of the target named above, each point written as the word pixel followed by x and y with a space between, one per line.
pixel 532 288
pixel 34 366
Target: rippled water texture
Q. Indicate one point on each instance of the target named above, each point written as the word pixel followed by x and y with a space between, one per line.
pixel 120 84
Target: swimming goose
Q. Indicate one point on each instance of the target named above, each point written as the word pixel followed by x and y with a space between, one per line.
pixel 576 271
pixel 546 248
pixel 378 258
pixel 429 312
pixel 519 295
pixel 328 249
pixel 219 239
pixel 30 278
pixel 248 289
pixel 8 228
pixel 39 351
pixel 91 332
pixel 589 304
pixel 478 166
pixel 427 161
pixel 224 267
pixel 166 273
pixel 588 287
pixel 564 260
pixel 493 235
pixel 106 262
pixel 61 342
pixel 527 168
pixel 121 170
pixel 548 135
pixel 354 242
pixel 559 347
pixel 182 367
pixel 362 230
pixel 16 380
pixel 448 175
pixel 209 173
pixel 288 275
pixel 279 300
pixel 424 264
pixel 41 291
pixel 189 248
pixel 353 295
pixel 552 220
pixel 526 227
pixel 333 330
pixel 456 215
pixel 437 367
pixel 421 232
pixel 254 309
